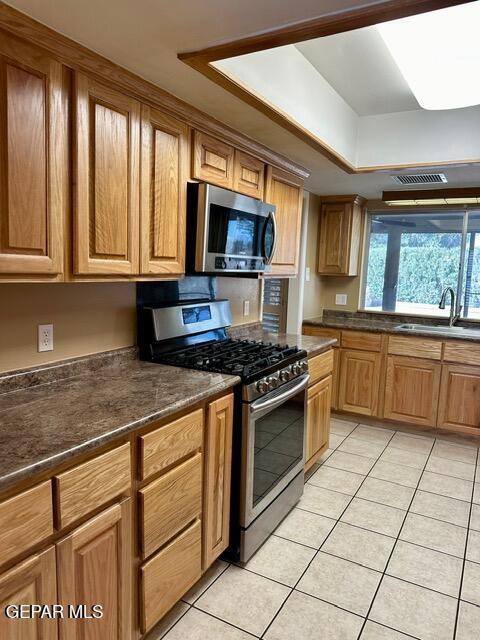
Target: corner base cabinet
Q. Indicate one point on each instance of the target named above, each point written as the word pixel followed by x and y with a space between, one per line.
pixel 359 382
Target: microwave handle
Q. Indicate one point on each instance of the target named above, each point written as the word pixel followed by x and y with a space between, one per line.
pixel 268 259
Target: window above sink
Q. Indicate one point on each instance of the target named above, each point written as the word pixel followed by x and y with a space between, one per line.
pixel 412 256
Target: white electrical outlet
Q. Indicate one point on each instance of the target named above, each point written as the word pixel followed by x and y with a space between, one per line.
pixel 341 298
pixel 246 307
pixel 45 337
pixel 307 274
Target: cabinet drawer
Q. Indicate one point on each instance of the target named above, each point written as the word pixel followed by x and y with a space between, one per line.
pixel 163 447
pixel 25 520
pixel 415 347
pixel 322 332
pixel 167 576
pixel 168 504
pixel 462 352
pixel 320 366
pixel 91 484
pixel 361 340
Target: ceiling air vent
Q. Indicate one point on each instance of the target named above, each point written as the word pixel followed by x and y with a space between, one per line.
pixel 420 178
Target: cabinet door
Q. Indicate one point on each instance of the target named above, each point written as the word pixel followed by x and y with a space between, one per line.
pixel 459 397
pixel 411 390
pixel 318 420
pixel 359 382
pixel 94 567
pixel 107 159
pixel 163 193
pixel 33 161
pixel 335 377
pixel 31 582
pixel 212 160
pixel 339 238
pixel 333 239
pixel 218 464
pixel 248 175
pixel 285 191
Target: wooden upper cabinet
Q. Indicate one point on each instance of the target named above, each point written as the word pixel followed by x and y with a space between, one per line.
pixel 218 464
pixel 163 193
pixel 285 191
pixel 248 175
pixel 339 235
pixel 94 567
pixel 359 382
pixel 212 160
pixel 31 582
pixel 459 404
pixel 107 194
pixel 412 390
pixel 33 161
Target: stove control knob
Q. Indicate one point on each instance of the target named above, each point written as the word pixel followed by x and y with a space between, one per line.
pixel 272 382
pixel 296 369
pixel 285 375
pixel 262 386
pixel 304 365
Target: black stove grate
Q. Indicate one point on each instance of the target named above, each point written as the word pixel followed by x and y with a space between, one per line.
pixel 245 358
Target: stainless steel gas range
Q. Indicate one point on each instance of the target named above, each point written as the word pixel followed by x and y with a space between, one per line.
pixel 270 409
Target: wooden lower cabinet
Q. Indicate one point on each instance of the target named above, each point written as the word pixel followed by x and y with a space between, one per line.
pixel 30 582
pixel 169 574
pixel 459 404
pixel 335 378
pixel 359 382
pixel 217 478
pixel 169 503
pixel 94 567
pixel 318 420
pixel 411 390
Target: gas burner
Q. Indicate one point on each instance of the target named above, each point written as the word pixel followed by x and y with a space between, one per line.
pixel 249 359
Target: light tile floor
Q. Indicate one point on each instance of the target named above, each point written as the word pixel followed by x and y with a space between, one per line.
pixel 384 545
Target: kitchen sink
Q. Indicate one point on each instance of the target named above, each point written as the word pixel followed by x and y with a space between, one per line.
pixel 465 332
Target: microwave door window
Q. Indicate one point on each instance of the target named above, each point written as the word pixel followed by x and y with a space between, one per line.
pixel 235 233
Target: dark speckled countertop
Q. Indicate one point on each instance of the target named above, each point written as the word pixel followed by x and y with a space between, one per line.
pixel 45 424
pixel 361 321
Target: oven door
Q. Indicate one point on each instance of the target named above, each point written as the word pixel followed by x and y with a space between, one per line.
pixel 238 232
pixel 273 441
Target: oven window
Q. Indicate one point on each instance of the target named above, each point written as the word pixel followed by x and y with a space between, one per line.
pixel 234 232
pixel 278 445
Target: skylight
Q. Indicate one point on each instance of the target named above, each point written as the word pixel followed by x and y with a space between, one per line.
pixel 438 54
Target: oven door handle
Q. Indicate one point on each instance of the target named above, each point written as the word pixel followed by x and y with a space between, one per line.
pixel 261 404
pixel 269 258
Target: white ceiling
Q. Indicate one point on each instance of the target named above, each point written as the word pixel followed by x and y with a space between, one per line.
pixel 145 37
pixel 358 65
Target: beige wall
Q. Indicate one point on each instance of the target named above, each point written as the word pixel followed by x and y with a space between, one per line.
pixel 237 290
pixel 320 292
pixel 87 317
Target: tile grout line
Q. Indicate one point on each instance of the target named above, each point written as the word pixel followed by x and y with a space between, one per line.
pixel 191 605
pixel 385 535
pixel 460 589
pixel 394 546
pixel 318 551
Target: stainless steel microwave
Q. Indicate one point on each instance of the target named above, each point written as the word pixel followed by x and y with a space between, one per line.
pixel 228 232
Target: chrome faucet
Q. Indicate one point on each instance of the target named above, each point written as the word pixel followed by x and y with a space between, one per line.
pixel 453 315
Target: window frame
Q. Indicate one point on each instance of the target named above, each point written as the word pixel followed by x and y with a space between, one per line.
pixel 466 210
